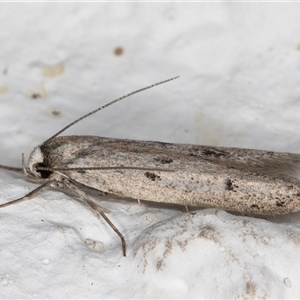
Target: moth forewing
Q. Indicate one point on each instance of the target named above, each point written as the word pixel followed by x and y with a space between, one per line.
pixel 240 180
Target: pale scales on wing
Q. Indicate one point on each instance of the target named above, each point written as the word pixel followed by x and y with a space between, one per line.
pixel 230 178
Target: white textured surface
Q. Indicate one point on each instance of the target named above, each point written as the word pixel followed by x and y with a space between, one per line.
pixel 239 86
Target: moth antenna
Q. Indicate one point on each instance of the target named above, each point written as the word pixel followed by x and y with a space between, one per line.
pixel 104 168
pixel 106 105
pixel 19 170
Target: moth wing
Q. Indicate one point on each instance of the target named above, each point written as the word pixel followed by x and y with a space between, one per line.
pixel 91 151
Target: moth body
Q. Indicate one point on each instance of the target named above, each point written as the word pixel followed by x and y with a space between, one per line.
pixel 245 181
pixel 239 180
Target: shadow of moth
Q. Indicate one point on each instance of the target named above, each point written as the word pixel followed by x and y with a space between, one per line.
pixel 245 181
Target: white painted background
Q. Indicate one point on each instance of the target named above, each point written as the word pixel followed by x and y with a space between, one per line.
pixel 240 86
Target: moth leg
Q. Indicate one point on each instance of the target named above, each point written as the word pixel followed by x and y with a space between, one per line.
pixel 186 208
pixel 109 222
pixel 80 188
pixel 97 208
pixel 30 195
pixel 139 202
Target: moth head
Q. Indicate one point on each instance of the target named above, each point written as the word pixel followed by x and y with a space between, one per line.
pixel 36 163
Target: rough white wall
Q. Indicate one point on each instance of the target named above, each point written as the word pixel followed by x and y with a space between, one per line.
pixel 240 86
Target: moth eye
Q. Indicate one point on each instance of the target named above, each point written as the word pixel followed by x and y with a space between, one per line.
pixel 43 173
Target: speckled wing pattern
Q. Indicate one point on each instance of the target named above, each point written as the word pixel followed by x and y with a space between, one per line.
pixel 252 182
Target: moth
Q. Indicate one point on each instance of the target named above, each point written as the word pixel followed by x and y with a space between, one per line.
pixel 244 181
